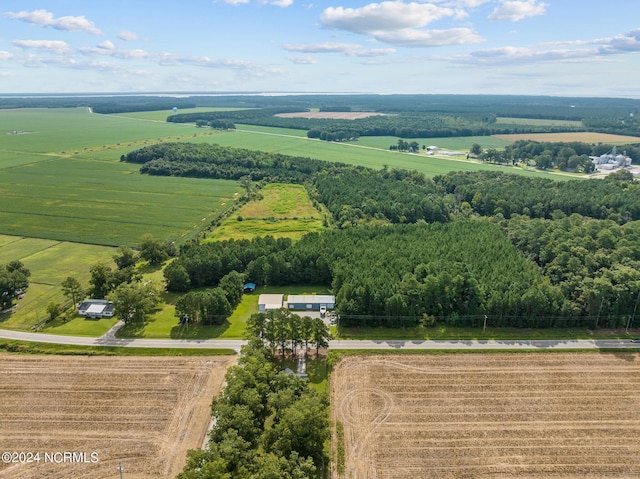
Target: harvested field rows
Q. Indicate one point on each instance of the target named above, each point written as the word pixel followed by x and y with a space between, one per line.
pixel 144 413
pixel 569 415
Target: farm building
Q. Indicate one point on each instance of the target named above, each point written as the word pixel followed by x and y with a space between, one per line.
pixel 311 302
pixel 96 308
pixel 267 302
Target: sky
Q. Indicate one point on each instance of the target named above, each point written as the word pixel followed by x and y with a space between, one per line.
pixel 583 48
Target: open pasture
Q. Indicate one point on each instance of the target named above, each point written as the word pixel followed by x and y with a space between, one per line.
pixel 534 415
pixel 141 412
pixel 283 211
pixel 583 136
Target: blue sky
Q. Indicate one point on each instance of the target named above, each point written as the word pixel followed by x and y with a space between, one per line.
pixel 532 47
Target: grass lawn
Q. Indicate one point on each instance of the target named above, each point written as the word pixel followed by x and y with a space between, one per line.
pixel 284 211
pixel 164 324
pixel 79 326
pixel 32 347
pixel 454 333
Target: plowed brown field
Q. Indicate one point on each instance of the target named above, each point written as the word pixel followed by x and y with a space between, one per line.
pixel 567 415
pixel 142 412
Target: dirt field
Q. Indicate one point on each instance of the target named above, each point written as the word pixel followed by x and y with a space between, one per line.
pixel 332 115
pixel 568 415
pixel 585 137
pixel 144 413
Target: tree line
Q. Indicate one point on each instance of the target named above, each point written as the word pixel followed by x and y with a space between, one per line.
pixel 268 424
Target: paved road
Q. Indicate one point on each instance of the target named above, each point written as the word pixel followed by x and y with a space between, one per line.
pixel 109 339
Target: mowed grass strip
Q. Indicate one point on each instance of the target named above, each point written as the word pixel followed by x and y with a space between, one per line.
pixel 285 211
pixel 106 202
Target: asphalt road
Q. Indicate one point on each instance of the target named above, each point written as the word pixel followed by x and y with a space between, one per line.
pixel 109 339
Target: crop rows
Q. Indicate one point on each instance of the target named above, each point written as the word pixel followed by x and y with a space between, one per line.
pixel 490 415
pixel 143 413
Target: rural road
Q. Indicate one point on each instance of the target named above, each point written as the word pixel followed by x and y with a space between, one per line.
pixel 109 339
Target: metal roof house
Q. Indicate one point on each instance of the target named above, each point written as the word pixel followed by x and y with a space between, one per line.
pixel 96 308
pixel 267 302
pixel 311 302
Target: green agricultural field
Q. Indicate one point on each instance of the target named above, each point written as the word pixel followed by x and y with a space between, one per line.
pixel 107 203
pixel 357 153
pixel 284 211
pixel 50 263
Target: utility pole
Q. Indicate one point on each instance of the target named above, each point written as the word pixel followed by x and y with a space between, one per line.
pixel 120 470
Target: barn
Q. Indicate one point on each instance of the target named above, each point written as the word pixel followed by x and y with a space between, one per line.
pixel 311 302
pixel 267 302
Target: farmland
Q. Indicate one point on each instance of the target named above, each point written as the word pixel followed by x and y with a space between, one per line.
pixel 145 413
pixel 531 415
pixel 283 211
pixel 583 136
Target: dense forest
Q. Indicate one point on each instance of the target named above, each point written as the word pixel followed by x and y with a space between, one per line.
pixel 406 250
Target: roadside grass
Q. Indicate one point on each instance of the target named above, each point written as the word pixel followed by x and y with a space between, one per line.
pixel 442 332
pixel 285 210
pixel 79 326
pixel 32 347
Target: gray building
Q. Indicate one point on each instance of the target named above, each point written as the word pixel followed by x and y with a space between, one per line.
pixel 311 302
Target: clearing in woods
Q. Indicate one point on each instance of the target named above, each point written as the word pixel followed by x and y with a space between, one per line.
pixel 283 211
pixel 142 412
pixel 569 415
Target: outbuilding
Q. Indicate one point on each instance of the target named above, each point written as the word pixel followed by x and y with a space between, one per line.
pixel 96 308
pixel 268 302
pixel 311 302
pixel 249 287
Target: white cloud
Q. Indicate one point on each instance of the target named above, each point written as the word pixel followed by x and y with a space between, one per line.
pixel 107 45
pixel 399 23
pixel 375 52
pixel 57 47
pixel 108 48
pixel 236 2
pixel 5 55
pixel 46 19
pixel 385 16
pixel 328 47
pixel 429 38
pixel 281 3
pixel 518 10
pixel 569 51
pixel 128 36
pixel 305 60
